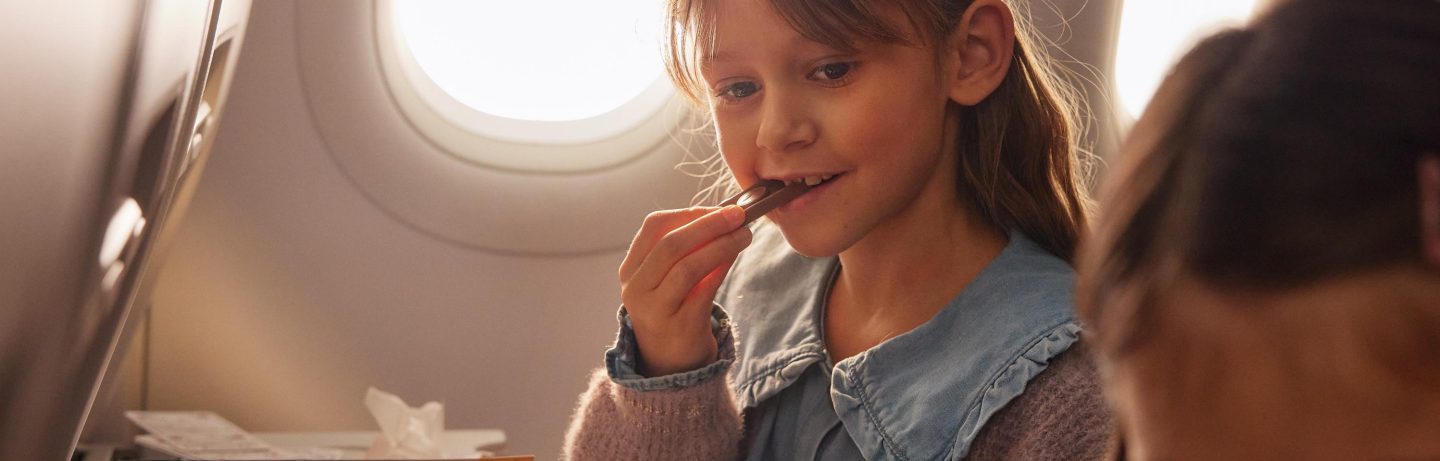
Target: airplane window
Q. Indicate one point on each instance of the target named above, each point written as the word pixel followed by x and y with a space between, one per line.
pixel 535 60
pixel 473 178
pixel 1154 34
pixel 550 86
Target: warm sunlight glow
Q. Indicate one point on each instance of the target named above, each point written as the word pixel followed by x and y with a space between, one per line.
pixel 1155 33
pixel 545 60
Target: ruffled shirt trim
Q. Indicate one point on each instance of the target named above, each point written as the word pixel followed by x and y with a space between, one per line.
pixel 924 394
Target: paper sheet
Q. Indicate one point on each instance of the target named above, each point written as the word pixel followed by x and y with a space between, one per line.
pixel 206 435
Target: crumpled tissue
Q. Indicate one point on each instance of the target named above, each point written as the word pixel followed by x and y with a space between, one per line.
pixel 405 432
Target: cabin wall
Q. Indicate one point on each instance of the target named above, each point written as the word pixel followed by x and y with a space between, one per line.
pixel 289 292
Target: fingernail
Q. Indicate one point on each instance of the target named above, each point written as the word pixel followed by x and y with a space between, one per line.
pixel 734 215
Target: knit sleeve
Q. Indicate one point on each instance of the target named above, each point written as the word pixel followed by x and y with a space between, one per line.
pixel 617 422
pixel 1061 415
pixel 689 415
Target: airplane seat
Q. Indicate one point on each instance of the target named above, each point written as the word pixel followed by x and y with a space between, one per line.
pixel 93 167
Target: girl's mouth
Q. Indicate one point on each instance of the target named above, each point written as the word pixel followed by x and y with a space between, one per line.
pixel 818 186
pixel 812 181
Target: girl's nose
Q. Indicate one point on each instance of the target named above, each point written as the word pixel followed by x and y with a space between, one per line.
pixel 784 124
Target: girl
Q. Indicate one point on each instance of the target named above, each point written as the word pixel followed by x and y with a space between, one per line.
pixel 897 310
pixel 1265 280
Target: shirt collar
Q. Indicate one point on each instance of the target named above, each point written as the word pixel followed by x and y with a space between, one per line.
pixel 923 394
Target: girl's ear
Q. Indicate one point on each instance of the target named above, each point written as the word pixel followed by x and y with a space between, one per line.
pixel 1428 178
pixel 980 49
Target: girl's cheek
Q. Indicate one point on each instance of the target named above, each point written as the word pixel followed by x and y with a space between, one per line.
pixel 740 167
pixel 737 148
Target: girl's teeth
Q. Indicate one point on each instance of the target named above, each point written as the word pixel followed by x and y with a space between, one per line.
pixel 810 180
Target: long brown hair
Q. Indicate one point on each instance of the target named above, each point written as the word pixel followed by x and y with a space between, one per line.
pixel 1272 157
pixel 1018 163
pixel 1255 281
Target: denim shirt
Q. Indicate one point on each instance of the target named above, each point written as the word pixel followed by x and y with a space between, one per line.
pixel 924 394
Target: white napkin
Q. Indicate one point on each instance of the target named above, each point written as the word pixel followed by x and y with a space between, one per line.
pixel 405 433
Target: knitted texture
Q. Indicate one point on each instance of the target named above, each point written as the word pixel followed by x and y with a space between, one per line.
pixel 617 423
pixel 1061 415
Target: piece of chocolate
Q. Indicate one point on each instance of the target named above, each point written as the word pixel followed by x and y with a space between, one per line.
pixel 765 196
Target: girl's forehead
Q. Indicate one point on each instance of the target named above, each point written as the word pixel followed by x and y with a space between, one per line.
pixel 742 41
pixel 757 23
pixel 741 23
pixel 747 47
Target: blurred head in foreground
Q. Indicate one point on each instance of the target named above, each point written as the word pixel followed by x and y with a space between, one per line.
pixel 1264 277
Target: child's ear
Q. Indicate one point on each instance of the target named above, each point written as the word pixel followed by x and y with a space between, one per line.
pixel 980 49
pixel 1428 178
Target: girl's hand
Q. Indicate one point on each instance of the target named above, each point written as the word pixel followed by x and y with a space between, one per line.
pixel 668 283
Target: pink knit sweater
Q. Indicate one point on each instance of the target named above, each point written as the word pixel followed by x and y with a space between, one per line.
pixel 1061 415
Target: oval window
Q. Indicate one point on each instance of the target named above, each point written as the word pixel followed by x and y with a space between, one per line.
pixel 494 81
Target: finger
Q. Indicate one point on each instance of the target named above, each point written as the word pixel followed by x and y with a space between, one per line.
pixel 686 239
pixel 697 304
pixel 683 277
pixel 715 276
pixel 656 225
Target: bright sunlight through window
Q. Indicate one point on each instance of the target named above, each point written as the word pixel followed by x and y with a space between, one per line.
pixel 1155 33
pixel 541 60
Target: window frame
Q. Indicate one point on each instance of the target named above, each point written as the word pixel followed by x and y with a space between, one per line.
pixel 572 146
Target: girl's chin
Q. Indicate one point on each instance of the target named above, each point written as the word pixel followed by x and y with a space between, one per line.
pixel 812 242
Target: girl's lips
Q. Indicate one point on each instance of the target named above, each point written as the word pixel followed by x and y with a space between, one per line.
pixel 811 196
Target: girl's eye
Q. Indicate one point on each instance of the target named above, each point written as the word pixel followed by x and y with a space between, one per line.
pixel 738 91
pixel 832 72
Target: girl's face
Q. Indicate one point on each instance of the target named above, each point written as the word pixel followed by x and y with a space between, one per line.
pixel 872 121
